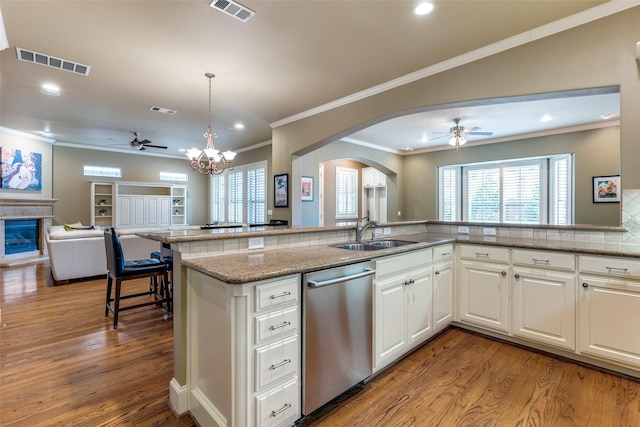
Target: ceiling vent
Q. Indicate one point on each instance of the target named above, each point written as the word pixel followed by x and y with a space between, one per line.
pixel 53 62
pixel 234 9
pixel 163 110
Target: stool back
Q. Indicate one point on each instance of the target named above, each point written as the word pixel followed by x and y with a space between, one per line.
pixel 113 247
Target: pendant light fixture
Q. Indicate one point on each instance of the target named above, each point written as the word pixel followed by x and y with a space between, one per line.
pixel 210 161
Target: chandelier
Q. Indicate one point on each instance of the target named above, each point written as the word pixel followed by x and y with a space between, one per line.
pixel 210 161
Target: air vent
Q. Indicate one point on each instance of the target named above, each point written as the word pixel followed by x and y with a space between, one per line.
pixel 51 61
pixel 232 8
pixel 163 110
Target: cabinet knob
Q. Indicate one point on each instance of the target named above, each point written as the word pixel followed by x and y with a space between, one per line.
pixel 437 273
pixel 585 285
pixel 504 273
pixel 517 276
pixel 411 281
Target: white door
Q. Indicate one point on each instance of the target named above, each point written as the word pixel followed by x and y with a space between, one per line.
pixel 609 319
pixel 544 306
pixel 442 295
pixel 390 321
pixel 484 295
pixel 419 307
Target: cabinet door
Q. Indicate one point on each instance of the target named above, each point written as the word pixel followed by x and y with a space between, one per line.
pixel 609 319
pixel 484 295
pixel 442 296
pixel 158 211
pixel 544 306
pixel 419 303
pixel 390 319
pixel 125 212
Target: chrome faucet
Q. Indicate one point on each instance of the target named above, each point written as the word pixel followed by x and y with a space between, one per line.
pixel 361 228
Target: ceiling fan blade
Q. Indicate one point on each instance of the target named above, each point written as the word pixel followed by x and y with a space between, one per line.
pixel 155 146
pixel 438 137
pixel 480 133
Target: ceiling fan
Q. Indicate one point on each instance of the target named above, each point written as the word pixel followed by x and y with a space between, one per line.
pixel 141 145
pixel 458 133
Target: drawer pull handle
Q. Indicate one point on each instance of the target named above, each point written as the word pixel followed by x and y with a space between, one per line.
pixel 541 261
pixel 284 294
pixel 281 325
pixel 281 364
pixel 445 254
pixel 482 255
pixel 620 269
pixel 281 410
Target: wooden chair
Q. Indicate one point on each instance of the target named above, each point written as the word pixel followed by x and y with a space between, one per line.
pixel 119 270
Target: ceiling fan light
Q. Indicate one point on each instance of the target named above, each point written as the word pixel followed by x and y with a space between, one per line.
pixel 461 141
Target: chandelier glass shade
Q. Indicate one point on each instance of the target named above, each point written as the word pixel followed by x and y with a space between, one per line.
pixel 210 161
pixel 457 141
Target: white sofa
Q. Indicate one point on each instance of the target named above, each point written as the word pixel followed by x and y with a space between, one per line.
pixel 80 254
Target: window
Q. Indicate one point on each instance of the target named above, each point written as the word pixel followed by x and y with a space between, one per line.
pixel 174 176
pixel 522 191
pixel 346 193
pixel 102 171
pixel 239 195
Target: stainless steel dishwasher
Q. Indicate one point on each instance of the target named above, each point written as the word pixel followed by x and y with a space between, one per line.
pixel 337 332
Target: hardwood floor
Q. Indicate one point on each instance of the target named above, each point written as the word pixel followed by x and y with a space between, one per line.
pixel 61 364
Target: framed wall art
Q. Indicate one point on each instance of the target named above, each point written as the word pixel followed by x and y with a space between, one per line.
pixel 606 189
pixel 306 188
pixel 281 190
pixel 21 170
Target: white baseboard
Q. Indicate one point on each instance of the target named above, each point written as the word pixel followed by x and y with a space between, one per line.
pixel 178 397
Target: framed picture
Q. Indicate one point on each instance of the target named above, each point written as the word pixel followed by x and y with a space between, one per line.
pixel 306 188
pixel 281 190
pixel 21 170
pixel 606 189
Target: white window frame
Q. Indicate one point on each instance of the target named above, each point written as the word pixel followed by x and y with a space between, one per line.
pixel 219 195
pixel 549 213
pixel 102 171
pixel 349 208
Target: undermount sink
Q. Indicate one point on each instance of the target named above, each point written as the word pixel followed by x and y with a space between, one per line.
pixel 358 247
pixel 389 243
pixel 373 245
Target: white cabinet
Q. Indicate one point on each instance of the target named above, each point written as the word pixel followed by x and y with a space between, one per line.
pixel 143 211
pixel 179 205
pixel 244 351
pixel 484 287
pixel 544 297
pixel 102 207
pixel 609 307
pixel 443 295
pixel 402 305
pixel 374 195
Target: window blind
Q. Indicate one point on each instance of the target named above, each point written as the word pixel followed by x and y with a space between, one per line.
pixel 346 193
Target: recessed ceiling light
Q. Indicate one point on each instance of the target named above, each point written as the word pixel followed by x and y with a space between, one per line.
pixel 50 89
pixel 607 116
pixel 423 9
pixel 238 126
pixel 545 118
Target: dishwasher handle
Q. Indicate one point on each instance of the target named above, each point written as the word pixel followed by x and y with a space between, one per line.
pixel 318 284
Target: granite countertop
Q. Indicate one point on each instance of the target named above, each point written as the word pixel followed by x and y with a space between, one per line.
pixel 251 266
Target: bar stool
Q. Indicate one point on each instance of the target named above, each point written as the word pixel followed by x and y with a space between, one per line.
pixel 119 270
pixel 165 255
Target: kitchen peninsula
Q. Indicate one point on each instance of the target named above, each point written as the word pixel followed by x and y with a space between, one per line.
pixel 573 291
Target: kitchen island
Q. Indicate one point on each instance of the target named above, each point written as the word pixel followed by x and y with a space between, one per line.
pixel 220 272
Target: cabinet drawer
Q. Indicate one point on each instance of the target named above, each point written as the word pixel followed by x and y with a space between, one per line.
pixel 276 324
pixel 544 259
pixel 442 253
pixel 276 361
pixel 277 293
pixel 484 253
pixel 406 261
pixel 280 406
pixel 610 266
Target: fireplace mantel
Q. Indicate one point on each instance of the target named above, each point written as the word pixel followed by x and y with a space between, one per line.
pixel 14 208
pixel 26 208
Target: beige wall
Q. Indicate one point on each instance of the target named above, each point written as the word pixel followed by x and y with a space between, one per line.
pixel 72 188
pixel 596 153
pixel 24 142
pixel 593 55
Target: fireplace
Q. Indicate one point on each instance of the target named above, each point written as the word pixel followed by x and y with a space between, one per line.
pixel 23 223
pixel 21 235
